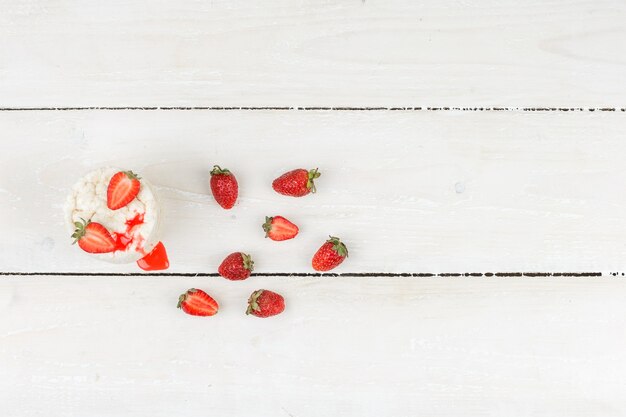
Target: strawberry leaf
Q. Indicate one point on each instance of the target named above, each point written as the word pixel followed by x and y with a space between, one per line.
pixel 338 246
pixel 267 226
pixel 253 304
pixel 79 232
pixel 181 300
pixel 310 184
pixel 248 263
pixel 131 175
pixel 219 171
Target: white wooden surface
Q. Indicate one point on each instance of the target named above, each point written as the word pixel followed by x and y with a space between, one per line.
pixel 344 346
pixel 409 191
pixel 312 53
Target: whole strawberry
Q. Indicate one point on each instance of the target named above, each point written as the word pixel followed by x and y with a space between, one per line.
pixel 278 228
pixel 264 303
pixel 296 183
pixel 197 303
pixel 236 266
pixel 330 255
pixel 224 187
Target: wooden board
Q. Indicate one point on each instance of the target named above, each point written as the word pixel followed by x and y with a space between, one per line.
pixel 472 156
pixel 58 53
pixel 372 346
pixel 407 191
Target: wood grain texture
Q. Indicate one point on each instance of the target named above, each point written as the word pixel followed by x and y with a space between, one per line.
pixel 373 346
pixel 293 53
pixel 407 191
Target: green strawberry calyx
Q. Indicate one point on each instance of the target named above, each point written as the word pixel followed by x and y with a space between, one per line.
pixel 312 175
pixel 253 304
pixel 131 175
pixel 79 232
pixel 183 297
pixel 219 171
pixel 248 263
pixel 267 226
pixel 338 246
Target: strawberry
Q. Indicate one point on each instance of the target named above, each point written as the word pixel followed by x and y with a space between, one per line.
pixel 123 188
pixel 93 237
pixel 296 183
pixel 224 187
pixel 236 266
pixel 265 303
pixel 330 255
pixel 197 303
pixel 278 228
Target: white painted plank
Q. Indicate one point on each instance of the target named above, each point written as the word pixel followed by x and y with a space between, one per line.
pixel 295 53
pixel 372 347
pixel 407 191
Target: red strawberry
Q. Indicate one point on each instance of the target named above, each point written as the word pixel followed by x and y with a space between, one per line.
pixel 278 228
pixel 123 188
pixel 264 303
pixel 224 187
pixel 236 266
pixel 197 303
pixel 330 255
pixel 296 183
pixel 93 237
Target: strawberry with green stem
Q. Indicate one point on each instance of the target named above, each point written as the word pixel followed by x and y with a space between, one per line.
pixel 296 183
pixel 278 228
pixel 197 303
pixel 224 187
pixel 265 303
pixel 237 266
pixel 330 255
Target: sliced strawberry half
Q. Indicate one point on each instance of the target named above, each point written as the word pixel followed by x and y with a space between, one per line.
pixel 278 228
pixel 93 237
pixel 123 188
pixel 197 303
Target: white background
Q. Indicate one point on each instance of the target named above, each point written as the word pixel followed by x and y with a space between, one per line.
pixel 509 159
